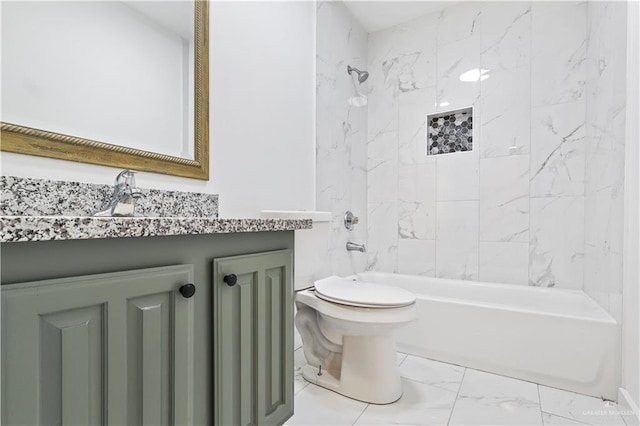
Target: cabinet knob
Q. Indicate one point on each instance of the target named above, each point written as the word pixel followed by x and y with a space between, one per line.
pixel 187 290
pixel 230 279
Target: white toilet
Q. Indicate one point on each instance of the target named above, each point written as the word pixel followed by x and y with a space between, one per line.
pixel 347 333
pixel 346 326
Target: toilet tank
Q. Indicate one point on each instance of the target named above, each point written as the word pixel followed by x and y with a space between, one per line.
pixel 311 258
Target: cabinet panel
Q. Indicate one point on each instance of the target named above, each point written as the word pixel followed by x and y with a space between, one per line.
pixel 71 359
pixel 253 339
pixel 148 359
pixel 100 349
pixel 238 358
pixel 275 380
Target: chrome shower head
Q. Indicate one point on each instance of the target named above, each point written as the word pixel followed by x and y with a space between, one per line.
pixel 362 75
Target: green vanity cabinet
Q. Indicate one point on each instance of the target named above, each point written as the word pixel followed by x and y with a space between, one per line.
pixel 253 338
pixel 98 331
pixel 99 349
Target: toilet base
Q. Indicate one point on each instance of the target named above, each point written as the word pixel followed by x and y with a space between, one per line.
pixel 369 370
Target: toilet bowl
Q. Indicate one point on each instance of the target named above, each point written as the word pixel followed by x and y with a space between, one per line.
pixel 347 337
pixel 346 326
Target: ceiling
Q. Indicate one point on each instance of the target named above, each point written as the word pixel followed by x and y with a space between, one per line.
pixel 379 15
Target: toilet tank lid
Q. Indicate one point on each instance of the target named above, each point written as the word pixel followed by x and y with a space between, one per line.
pixel 315 216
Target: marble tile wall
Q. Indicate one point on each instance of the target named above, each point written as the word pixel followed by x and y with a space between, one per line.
pixel 605 94
pixel 341 132
pixel 513 209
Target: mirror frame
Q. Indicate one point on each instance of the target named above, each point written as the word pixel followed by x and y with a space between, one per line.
pixel 26 140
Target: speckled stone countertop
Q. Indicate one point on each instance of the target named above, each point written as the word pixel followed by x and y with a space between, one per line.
pixel 47 228
pixel 45 210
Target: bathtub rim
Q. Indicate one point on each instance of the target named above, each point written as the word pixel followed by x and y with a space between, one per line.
pixel 606 317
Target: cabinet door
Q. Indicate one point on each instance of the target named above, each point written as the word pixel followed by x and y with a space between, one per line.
pixel 253 339
pixel 101 349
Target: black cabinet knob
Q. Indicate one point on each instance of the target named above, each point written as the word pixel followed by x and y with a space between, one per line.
pixel 187 290
pixel 230 279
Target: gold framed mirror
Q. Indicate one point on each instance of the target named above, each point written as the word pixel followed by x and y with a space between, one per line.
pixel 19 138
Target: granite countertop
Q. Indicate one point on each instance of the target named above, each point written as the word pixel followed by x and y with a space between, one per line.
pixel 46 210
pixel 49 228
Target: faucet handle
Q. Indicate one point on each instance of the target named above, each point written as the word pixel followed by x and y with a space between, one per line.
pixel 126 178
pixel 350 220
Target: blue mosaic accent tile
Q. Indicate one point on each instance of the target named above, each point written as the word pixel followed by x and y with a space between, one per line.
pixel 450 132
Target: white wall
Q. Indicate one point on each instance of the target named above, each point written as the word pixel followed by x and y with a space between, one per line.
pixel 262 105
pixel 261 114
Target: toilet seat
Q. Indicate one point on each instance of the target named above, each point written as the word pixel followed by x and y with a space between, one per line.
pixel 362 294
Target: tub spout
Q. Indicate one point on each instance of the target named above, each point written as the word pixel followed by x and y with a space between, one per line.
pixel 356 247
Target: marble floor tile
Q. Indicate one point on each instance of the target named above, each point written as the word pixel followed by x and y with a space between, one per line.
pixel 437 393
pixel 315 405
pixel 420 404
pixel 489 399
pixel 553 420
pixel 581 408
pixel 434 373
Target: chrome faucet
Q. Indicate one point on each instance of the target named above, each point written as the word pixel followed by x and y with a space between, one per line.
pixel 123 199
pixel 356 247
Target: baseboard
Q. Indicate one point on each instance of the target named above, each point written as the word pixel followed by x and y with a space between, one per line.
pixel 628 409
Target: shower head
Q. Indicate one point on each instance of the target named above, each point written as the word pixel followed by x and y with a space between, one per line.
pixel 362 75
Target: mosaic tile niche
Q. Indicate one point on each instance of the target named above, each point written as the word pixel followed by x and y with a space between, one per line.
pixel 450 131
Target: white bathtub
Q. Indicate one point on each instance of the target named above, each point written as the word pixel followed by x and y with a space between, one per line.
pixel 559 338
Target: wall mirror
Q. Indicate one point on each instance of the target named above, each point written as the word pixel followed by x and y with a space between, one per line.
pixel 117 83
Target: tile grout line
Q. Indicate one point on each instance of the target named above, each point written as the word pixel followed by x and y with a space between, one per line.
pixel 361 413
pixel 566 418
pixel 530 147
pixel 435 161
pixel 480 100
pixel 540 404
pixel 457 395
pixel 403 359
pixel 586 149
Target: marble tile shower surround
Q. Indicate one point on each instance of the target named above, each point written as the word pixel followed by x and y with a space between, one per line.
pixel 513 209
pixel 40 197
pixel 604 186
pixel 341 132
